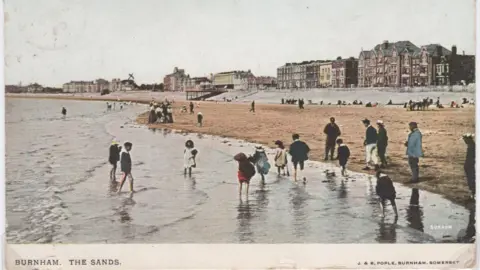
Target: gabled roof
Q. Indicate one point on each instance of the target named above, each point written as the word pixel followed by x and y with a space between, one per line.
pixel 432 49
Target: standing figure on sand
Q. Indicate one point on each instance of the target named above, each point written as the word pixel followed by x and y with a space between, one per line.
pixel 246 171
pixel 126 166
pixel 64 111
pixel 299 151
pixel 370 144
pixel 414 151
pixel 189 155
pixel 332 131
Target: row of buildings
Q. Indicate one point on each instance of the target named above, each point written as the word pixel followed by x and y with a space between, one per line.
pixel 98 85
pixel 396 64
pixel 179 80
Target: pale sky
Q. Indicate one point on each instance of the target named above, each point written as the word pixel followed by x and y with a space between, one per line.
pixel 54 41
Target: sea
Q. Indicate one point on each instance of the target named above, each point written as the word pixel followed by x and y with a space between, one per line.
pixel 58 189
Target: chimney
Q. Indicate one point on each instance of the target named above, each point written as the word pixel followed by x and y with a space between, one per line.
pixel 385 44
pixel 439 50
pixel 454 49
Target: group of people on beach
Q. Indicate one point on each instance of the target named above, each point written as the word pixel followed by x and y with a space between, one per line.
pixel 375 142
pixel 160 112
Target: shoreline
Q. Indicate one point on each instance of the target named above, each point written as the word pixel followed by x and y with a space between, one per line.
pixel 441 172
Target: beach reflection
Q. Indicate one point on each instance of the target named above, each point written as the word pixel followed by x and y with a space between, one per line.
pixel 298 201
pixel 244 216
pixel 415 212
pixel 387 232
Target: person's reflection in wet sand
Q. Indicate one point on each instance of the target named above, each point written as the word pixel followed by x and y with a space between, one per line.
pixel 153 130
pixel 200 135
pixel 387 232
pixel 468 235
pixel 190 182
pixel 166 132
pixel 298 200
pixel 261 197
pixel 244 230
pixel 124 209
pixel 342 192
pixel 415 212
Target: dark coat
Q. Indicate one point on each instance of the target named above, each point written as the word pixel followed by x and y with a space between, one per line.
pixel 382 138
pixel 371 135
pixel 126 162
pixel 343 153
pixel 332 131
pixel 299 151
pixel 385 188
pixel 114 154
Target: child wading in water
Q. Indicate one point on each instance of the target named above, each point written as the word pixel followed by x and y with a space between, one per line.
pixel 246 171
pixel 126 166
pixel 299 152
pixel 260 160
pixel 189 155
pixel 343 153
pixel 113 158
pixel 281 158
pixel 385 190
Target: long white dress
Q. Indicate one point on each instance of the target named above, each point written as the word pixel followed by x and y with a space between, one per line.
pixel 188 158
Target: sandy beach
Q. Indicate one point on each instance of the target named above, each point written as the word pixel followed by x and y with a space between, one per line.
pixel 441 168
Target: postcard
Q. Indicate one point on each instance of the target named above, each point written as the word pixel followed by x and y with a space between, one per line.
pixel 240 134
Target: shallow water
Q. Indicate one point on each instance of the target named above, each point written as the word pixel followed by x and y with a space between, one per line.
pixel 58 190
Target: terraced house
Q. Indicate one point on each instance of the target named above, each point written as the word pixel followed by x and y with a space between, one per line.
pixel 402 63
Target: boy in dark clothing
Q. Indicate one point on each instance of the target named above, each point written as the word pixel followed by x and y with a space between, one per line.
pixel 382 142
pixel 343 155
pixel 385 190
pixel 252 106
pixel 64 111
pixel 126 166
pixel 299 152
pixel 332 131
pixel 113 158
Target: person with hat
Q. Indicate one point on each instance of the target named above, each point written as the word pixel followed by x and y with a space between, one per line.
pixel 260 160
pixel 114 157
pixel 333 132
pixel 280 157
pixel 370 144
pixel 382 142
pixel 414 150
pixel 469 165
pixel 246 171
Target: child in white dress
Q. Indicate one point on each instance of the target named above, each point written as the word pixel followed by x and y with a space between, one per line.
pixel 189 155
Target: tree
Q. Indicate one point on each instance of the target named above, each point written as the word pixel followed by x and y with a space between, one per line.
pixel 161 86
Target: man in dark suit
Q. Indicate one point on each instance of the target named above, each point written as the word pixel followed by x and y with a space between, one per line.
pixel 333 132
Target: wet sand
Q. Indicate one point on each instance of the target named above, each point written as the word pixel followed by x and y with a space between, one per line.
pixel 441 170
pixel 55 200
